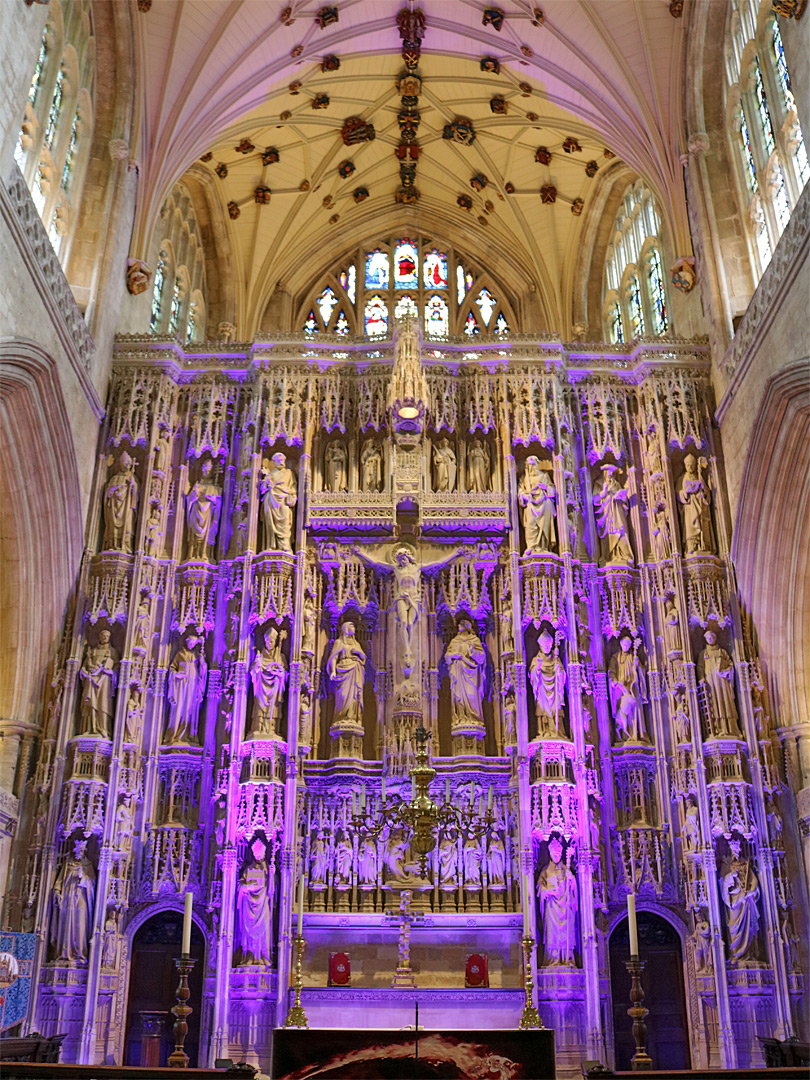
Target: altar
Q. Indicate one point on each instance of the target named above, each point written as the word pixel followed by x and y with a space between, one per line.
pixel 483 1054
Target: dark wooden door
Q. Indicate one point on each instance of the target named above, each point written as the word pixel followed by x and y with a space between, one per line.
pixel 153 981
pixel 662 979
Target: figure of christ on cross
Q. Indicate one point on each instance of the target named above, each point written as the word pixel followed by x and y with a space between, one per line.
pixel 404 976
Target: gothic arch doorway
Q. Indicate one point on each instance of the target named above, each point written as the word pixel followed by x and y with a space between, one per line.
pixel 667 1026
pixel 153 982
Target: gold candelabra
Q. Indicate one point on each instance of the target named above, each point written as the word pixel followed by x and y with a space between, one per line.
pixel 178 1059
pixel 641 1060
pixel 296 1017
pixel 530 1017
pixel 424 821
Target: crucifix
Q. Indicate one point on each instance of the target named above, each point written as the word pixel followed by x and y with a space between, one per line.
pixel 404 976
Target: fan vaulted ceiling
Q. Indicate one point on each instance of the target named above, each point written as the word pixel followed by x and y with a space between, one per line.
pixel 216 72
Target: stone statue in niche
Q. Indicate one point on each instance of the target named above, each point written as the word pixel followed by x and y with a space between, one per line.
pixel 739 888
pixel 444 466
pixel 336 472
pixel 610 503
pixel 538 497
pixel 371 478
pixel 279 496
pixel 547 676
pixel 672 628
pixel 344 857
pixel 510 720
pixel 695 499
pixel 109 948
pixel 715 672
pixel 134 715
pixel 347 666
pixel 121 506
pixel 202 513
pixel 310 629
pixel 661 533
pixel 154 532
pixel 680 717
pixel 448 864
pixel 318 861
pixel 400 559
pixel 703 947
pixel 466 657
pixel 690 833
pixel 479 468
pixel 471 856
pixel 254 919
pixel 496 863
pixel 74 893
pixel 367 863
pixel 628 692
pixel 163 451
pixel 140 633
pixel 269 677
pixel 396 851
pixel 188 675
pixel 559 904
pixel 124 823
pixel 99 678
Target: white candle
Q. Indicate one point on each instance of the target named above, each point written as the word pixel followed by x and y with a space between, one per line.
pixel 447 790
pixel 489 798
pixel 383 790
pixel 301 906
pixel 363 798
pixel 632 924
pixel 526 915
pixel 354 803
pixel 187 924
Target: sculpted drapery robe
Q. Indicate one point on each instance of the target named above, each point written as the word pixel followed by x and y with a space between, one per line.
pixel 254 920
pixel 628 692
pixel 74 894
pixel 120 510
pixel 279 496
pixel 547 676
pixel 715 669
pixel 347 670
pixel 740 891
pixel 98 695
pixel 465 658
pixel 269 677
pixel 538 497
pixel 202 516
pixel 557 892
pixel 187 680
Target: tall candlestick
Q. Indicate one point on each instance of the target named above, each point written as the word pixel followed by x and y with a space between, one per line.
pixel 363 797
pixel 526 915
pixel 186 949
pixel 632 924
pixel 301 905
pixel 447 790
pixel 383 790
pixel 489 799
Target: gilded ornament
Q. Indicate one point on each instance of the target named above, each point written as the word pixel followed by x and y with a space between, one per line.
pixel 408 120
pixel 330 63
pixel 548 193
pixel 479 182
pixel 245 147
pixel 326 16
pixel 409 85
pixel 360 194
pixel 320 101
pixel 221 169
pixel 571 146
pixel 493 17
pixel 411 150
pixel 790 9
pixel 682 274
pixel 356 130
pixel 262 195
pixel 407 173
pixel 577 206
pixel 270 156
pixel 491 64
pixel 542 155
pixel 345 169
pixel 498 105
pixel 233 210
pixel 465 202
pixel 406 195
pixel 460 130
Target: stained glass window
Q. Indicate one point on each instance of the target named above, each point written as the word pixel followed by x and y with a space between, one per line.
pixel 38 193
pixel 36 78
pixel 342 323
pixel 406 306
pixel 157 295
pixel 55 110
pixel 471 325
pixel 435 270
pixel 802 163
pixel 327 302
pixel 745 140
pixel 486 303
pixel 616 325
pixel 657 295
pixel 764 111
pixel 348 279
pixel 174 314
pixel 377 270
pixel 781 67
pixel 436 317
pixel 67 169
pixel 406 265
pixel 780 197
pixel 191 325
pixel 376 317
pixel 460 290
pixel 311 323
pixel 761 234
pixel 501 325
pixel 53 232
pixel 635 308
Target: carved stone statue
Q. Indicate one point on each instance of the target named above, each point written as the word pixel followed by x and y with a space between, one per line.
pixel 559 904
pixel 335 461
pixel 134 715
pixel 703 947
pixel 279 496
pixel 254 920
pixel 269 677
pixel 672 629
pixel 121 506
pixel 202 513
pixel 739 887
pixel 347 666
pixel 695 499
pixel 471 855
pixel 547 676
pixel 538 497
pixel 344 857
pixel 448 864
pixel 140 633
pixel 661 533
pixel 371 478
pixel 109 947
pixel 715 671
pixel 444 466
pixel 610 503
pixel 396 851
pixel 465 658
pixel 154 532
pixel 690 833
pixel 74 893
pixel 310 625
pixel 478 467
pixel 628 692
pixel 163 451
pixel 318 861
pixel 367 863
pixel 496 863
pixel 99 678
pixel 188 675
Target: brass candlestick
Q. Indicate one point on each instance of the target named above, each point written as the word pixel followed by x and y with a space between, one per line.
pixel 178 1059
pixel 530 1017
pixel 296 1017
pixel 641 1060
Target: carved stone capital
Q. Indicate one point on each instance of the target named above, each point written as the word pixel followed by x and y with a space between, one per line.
pixel 138 276
pixel 698 142
pixel 119 149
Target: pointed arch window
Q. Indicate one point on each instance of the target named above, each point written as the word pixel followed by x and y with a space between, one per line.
pixel 311 323
pixel 191 324
pixel 616 324
pixel 157 295
pixel 327 302
pixel 460 289
pixel 406 265
pixel 435 270
pixel 377 270
pixel 348 282
pixel 748 157
pixel 658 297
pixel 376 317
pixel 437 318
pixel 36 78
pixel 70 156
pixel 471 326
pixel 406 306
pixel 174 311
pixel 56 109
pixel 486 303
pixel 501 325
pixel 635 308
pixel 780 64
pixel 342 324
